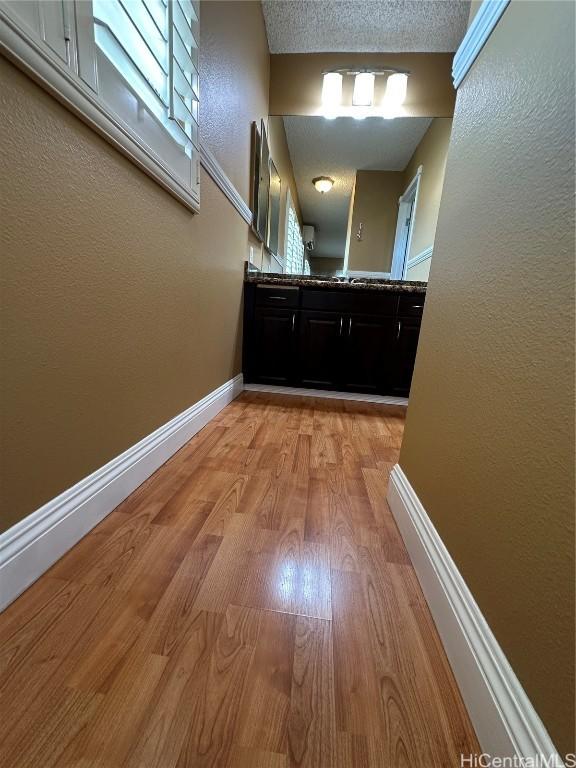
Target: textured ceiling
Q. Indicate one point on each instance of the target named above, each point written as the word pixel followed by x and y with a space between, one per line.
pixel 338 148
pixel 388 26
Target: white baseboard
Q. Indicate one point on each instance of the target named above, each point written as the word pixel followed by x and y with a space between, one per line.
pixel 383 399
pixel 31 546
pixel 506 723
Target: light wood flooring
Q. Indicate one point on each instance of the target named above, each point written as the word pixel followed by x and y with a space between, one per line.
pixel 252 605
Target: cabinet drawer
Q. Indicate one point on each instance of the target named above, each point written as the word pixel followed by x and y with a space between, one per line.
pixel 361 302
pixel 285 297
pixel 411 304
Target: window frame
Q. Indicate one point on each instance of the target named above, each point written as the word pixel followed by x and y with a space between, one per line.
pixel 36 59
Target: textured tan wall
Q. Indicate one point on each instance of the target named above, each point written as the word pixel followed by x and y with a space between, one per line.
pixel 474 8
pixel 325 266
pixel 489 441
pixel 431 155
pixel 296 81
pixel 235 67
pixel 119 307
pixel 281 155
pixel 376 206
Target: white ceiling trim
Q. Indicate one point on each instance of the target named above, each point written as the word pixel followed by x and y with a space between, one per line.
pixel 487 17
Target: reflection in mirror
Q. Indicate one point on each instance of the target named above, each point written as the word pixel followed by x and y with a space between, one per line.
pixel 274 210
pixel 263 188
pixel 378 218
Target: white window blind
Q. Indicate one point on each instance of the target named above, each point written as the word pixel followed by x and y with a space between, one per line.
pixel 133 65
pixel 294 259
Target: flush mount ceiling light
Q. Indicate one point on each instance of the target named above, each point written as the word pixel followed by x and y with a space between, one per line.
pixel 363 93
pixel 323 183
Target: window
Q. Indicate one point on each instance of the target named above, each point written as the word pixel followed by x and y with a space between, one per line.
pixel 128 67
pixel 294 251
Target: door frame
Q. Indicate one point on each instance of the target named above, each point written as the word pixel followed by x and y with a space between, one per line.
pixel 403 238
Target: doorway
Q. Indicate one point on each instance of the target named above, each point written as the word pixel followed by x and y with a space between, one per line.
pixel 405 227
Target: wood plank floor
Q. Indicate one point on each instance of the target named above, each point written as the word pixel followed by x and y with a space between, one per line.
pixel 252 605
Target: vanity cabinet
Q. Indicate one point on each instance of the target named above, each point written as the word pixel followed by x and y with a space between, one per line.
pixel 321 338
pixel 343 352
pixel 405 347
pixel 319 349
pixel 274 342
pixel 367 353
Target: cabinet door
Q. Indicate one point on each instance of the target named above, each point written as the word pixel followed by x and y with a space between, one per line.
pixel 367 355
pixel 405 347
pixel 320 349
pixel 273 345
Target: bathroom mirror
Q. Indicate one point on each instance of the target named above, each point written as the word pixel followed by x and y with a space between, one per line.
pixel 274 209
pixel 262 186
pixel 364 194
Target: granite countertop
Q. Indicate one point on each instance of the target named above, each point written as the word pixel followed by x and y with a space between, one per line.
pixel 316 281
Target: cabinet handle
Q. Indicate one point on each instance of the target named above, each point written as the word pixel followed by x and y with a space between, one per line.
pixel 293 321
pixel 399 329
pixel 278 298
pixel 350 327
pixel 341 322
pixel 417 306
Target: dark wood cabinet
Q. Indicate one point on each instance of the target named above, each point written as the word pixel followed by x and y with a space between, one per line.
pixel 367 353
pixel 411 305
pixel 350 302
pixel 321 338
pixel 319 349
pixel 274 345
pixel 405 347
pixel 280 298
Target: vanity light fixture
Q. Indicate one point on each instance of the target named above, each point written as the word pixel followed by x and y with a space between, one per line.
pixel 323 183
pixel 363 93
pixel 331 94
pixel 395 95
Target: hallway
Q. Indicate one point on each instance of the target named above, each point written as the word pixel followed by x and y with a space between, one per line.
pixel 251 605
